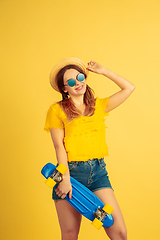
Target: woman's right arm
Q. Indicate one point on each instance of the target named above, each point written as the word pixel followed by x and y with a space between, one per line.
pixel 63 187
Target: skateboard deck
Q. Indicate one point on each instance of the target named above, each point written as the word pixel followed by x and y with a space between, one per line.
pixel 83 200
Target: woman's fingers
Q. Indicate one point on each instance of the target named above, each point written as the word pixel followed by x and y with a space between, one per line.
pixel 70 194
pixel 63 194
pixel 91 64
pixel 95 67
pixel 60 194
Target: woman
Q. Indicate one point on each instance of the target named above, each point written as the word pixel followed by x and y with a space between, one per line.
pixel 77 128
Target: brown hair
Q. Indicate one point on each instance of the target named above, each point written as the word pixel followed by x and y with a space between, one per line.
pixel 67 104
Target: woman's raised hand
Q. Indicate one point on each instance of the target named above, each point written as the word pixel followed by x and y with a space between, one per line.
pixel 95 67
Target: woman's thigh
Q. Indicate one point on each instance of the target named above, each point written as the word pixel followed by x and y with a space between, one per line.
pixel 118 228
pixel 69 218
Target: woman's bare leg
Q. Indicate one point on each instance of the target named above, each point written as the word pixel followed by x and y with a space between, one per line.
pixel 69 220
pixel 118 230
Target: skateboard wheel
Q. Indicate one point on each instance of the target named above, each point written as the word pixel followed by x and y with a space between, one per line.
pixel 50 182
pixel 97 223
pixel 108 209
pixel 61 168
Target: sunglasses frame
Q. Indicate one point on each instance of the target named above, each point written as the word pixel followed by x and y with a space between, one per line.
pixel 75 80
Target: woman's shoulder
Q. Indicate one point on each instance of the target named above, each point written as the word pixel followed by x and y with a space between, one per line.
pixel 102 101
pixel 101 104
pixel 58 110
pixel 56 106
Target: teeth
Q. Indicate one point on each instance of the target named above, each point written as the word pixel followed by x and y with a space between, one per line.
pixel 79 88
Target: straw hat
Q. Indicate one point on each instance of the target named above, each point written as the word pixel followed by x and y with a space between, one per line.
pixel 63 63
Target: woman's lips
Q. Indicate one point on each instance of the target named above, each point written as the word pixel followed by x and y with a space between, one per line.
pixel 79 88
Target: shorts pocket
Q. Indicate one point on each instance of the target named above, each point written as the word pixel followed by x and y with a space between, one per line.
pixel 102 163
pixel 72 165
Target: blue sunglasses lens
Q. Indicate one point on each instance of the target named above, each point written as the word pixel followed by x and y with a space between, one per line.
pixel 71 82
pixel 80 77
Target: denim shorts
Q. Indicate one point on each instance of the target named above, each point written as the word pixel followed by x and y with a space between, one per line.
pixel 92 174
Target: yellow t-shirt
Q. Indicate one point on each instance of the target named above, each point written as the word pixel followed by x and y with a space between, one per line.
pixel 85 137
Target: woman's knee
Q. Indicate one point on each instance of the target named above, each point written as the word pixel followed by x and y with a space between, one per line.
pixel 69 220
pixel 70 234
pixel 117 232
pixel 122 232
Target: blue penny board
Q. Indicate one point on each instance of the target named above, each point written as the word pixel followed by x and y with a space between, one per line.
pixel 83 200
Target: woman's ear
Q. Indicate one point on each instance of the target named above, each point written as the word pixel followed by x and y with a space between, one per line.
pixel 64 89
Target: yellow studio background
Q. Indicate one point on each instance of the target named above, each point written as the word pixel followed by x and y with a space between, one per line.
pixel 123 36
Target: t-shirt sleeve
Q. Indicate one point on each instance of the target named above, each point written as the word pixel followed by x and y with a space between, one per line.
pixel 53 120
pixel 103 103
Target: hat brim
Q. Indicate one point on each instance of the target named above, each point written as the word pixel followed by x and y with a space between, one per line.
pixel 63 63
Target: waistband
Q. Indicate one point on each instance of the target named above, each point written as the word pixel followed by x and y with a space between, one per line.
pixel 95 160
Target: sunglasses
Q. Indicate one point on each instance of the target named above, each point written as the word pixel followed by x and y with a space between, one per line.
pixel 71 82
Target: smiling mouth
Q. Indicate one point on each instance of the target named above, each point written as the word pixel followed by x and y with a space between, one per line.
pixel 79 88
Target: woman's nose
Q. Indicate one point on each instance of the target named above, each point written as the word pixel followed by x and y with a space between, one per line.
pixel 77 82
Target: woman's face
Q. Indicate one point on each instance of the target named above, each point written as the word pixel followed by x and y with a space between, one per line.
pixel 80 86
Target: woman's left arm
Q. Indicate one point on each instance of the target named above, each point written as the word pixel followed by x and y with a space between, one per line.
pixel 126 87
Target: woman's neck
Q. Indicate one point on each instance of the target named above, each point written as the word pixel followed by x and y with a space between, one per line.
pixel 78 100
pixel 79 103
